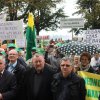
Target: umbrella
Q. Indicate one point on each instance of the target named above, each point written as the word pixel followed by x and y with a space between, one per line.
pixel 76 48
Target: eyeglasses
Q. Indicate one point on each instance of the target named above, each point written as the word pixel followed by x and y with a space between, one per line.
pixel 62 65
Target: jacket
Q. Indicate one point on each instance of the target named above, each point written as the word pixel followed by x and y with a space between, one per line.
pixel 70 88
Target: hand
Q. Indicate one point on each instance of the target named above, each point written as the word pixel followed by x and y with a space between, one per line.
pixel 1 97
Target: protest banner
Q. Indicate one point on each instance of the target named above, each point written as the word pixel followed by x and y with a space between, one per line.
pixel 72 23
pixel 92 37
pixel 92 82
pixel 11 30
pixel 21 42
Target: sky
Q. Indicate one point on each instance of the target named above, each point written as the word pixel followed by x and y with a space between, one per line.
pixel 69 8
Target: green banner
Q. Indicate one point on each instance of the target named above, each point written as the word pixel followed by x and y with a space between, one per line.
pixel 92 82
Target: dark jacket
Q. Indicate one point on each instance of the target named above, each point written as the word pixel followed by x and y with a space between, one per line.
pixel 8 86
pixel 70 88
pixel 90 69
pixel 22 62
pixel 44 91
pixel 19 73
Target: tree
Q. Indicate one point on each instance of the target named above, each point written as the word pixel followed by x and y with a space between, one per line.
pixel 45 18
pixel 90 10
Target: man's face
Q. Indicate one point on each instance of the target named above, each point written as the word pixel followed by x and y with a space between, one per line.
pixel 38 63
pixel 12 55
pixel 97 56
pixel 66 68
pixel 76 60
pixel 2 65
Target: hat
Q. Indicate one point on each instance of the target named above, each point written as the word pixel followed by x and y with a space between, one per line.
pixel 34 48
pixel 18 49
pixel 11 45
pixel 40 50
pixel 3 53
pixel 58 44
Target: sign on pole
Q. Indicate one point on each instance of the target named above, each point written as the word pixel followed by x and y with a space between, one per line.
pixel 92 37
pixel 20 42
pixel 11 30
pixel 72 23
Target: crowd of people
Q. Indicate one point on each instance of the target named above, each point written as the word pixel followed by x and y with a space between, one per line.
pixel 48 76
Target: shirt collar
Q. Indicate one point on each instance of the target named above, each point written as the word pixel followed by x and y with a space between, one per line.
pixel 14 64
pixel 2 71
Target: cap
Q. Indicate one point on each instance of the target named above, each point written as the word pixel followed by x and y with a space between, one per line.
pixel 11 45
pixel 3 53
pixel 40 50
pixel 58 44
pixel 18 49
pixel 34 48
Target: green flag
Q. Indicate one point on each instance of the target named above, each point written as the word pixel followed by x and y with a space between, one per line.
pixel 30 36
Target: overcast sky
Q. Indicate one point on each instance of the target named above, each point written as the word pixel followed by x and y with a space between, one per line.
pixel 69 9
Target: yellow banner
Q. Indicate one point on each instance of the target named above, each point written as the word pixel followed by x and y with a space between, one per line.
pixel 92 82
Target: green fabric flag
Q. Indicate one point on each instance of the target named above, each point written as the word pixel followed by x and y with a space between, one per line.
pixel 30 36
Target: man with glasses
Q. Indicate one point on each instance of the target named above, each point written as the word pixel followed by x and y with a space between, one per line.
pixel 66 84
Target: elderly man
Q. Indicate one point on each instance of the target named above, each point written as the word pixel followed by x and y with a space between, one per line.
pixel 37 80
pixel 7 82
pixel 12 46
pixel 14 65
pixel 66 84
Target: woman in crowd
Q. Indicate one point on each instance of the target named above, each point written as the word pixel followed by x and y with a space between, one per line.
pixel 85 60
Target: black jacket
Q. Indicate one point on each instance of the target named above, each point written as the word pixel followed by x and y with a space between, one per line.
pixel 70 88
pixel 27 87
pixel 8 86
pixel 18 72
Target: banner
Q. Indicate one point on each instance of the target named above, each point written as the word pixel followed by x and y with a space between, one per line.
pixel 21 43
pixel 11 30
pixel 72 23
pixel 92 82
pixel 92 37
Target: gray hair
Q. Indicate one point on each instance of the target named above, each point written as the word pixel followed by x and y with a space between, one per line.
pixel 66 59
pixel 37 55
pixel 77 56
pixel 13 50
